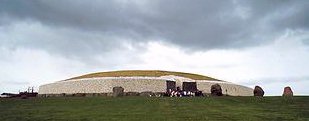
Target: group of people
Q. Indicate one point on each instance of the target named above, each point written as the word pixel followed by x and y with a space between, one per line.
pixel 182 93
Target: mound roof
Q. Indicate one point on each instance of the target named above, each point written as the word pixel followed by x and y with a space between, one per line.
pixel 144 73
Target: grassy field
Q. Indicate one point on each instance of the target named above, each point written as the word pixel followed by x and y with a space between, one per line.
pixel 156 109
pixel 150 73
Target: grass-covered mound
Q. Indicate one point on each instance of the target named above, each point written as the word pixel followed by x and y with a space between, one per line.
pixel 156 109
pixel 149 73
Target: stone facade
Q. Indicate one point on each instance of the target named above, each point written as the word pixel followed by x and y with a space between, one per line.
pixel 103 85
pixel 227 88
pixel 136 84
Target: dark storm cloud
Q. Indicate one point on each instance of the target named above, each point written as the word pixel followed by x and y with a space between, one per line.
pixel 71 43
pixel 191 24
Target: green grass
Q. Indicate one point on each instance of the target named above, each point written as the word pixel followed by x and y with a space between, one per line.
pixel 151 73
pixel 156 109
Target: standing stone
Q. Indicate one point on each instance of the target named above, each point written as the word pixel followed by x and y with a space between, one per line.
pixel 258 91
pixel 118 91
pixel 216 90
pixel 287 92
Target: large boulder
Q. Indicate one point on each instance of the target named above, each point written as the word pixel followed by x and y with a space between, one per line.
pixel 79 95
pixel 147 94
pixel 132 94
pixel 118 91
pixel 258 91
pixel 287 91
pixel 216 90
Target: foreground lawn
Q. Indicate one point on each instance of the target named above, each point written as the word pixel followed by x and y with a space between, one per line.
pixel 156 109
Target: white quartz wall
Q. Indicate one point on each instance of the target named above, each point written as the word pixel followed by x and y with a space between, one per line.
pixel 227 88
pixel 136 84
pixel 103 86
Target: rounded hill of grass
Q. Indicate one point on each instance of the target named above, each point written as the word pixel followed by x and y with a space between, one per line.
pixel 144 73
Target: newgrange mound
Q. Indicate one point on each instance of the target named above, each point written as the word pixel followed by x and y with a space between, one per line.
pixel 139 81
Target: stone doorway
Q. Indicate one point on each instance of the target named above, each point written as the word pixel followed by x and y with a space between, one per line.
pixel 170 85
pixel 189 86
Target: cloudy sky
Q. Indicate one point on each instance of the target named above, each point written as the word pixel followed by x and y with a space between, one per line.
pixel 251 43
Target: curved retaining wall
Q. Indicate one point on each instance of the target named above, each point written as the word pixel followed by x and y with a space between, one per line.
pixel 135 84
pixel 227 88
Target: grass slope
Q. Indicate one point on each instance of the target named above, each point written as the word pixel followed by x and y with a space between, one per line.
pixel 151 73
pixel 154 109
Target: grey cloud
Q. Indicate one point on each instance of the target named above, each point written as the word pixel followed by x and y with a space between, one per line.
pixel 190 24
pixel 66 42
pixel 92 48
pixel 282 14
